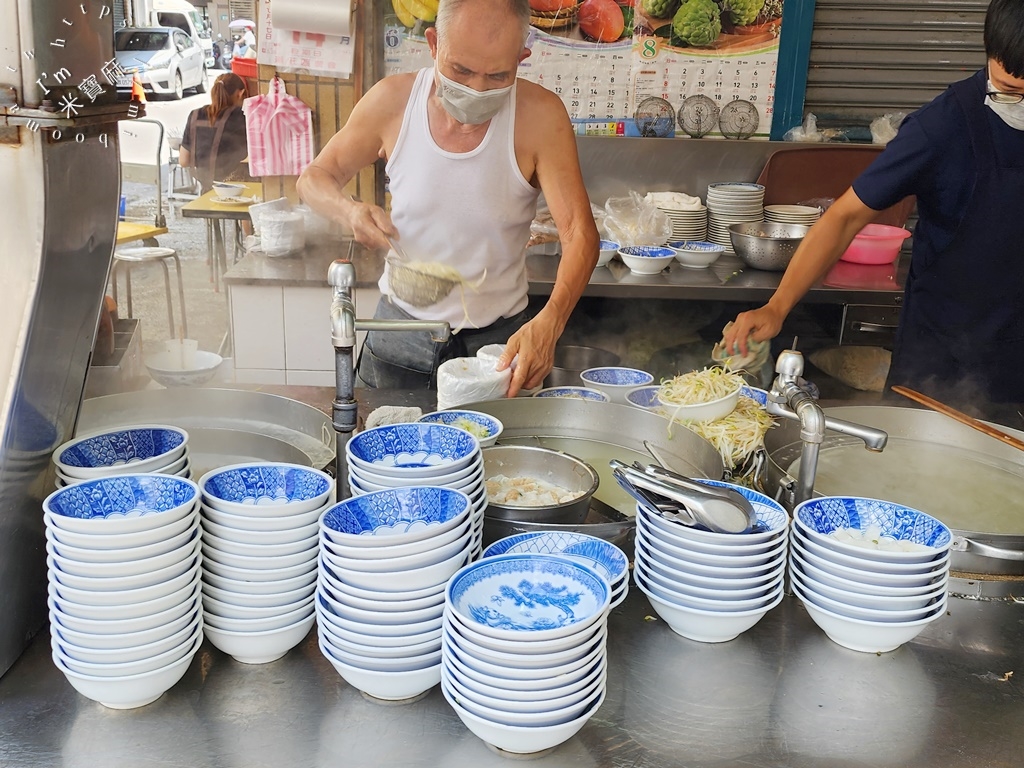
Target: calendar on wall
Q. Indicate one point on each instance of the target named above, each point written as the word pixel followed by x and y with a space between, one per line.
pixel 710 64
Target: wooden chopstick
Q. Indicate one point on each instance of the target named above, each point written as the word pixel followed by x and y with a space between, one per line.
pixel 963 418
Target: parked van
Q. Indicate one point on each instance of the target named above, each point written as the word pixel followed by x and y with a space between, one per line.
pixel 184 16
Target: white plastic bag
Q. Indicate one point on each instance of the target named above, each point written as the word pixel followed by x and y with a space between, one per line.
pixel 885 128
pixel 806 132
pixel 464 380
pixel 634 221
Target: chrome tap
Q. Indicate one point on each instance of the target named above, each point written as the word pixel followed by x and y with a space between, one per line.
pixel 342 277
pixel 789 400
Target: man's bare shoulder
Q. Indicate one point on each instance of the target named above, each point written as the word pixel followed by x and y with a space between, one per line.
pixel 538 108
pixel 390 95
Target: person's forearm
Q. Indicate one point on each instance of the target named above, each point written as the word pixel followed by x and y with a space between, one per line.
pixel 322 192
pixel 576 265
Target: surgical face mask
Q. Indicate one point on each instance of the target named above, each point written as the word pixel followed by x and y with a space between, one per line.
pixel 1011 114
pixel 468 106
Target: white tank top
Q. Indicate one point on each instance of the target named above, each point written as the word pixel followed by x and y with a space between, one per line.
pixel 470 210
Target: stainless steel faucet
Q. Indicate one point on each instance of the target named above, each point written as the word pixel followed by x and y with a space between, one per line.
pixel 790 401
pixel 342 277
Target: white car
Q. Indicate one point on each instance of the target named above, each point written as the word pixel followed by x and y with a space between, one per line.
pixel 165 59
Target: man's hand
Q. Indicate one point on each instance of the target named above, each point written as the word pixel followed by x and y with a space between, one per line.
pixel 534 343
pixel 371 225
pixel 759 324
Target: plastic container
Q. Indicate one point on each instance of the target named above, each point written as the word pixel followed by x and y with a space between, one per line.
pixel 876 244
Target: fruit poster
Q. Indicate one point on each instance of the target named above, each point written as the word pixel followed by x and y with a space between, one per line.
pixel 636 67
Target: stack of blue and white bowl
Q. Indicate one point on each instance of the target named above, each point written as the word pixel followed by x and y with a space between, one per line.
pixel 259 556
pixel 123 567
pixel 599 555
pixel 872 574
pixel 156 449
pixel 709 586
pixel 524 649
pixel 420 454
pixel 385 558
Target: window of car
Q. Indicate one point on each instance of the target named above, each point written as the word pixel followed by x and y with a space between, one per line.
pixel 140 40
pixel 180 41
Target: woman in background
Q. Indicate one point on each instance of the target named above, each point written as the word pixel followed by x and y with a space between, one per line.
pixel 214 143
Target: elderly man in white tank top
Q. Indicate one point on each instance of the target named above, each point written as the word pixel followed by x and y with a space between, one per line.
pixel 468 148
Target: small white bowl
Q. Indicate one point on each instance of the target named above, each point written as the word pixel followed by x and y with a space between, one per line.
pixel 292 523
pixel 117 628
pixel 404 563
pixel 868 636
pixel 328 620
pixel 272 587
pixel 710 411
pixel 404 581
pixel 276 600
pixel 126 568
pixel 730 545
pixel 870 602
pixel 228 189
pixel 268 574
pixel 936 565
pixel 527 719
pixel 707 626
pixel 374 481
pixel 124 603
pixel 388 686
pixel 519 690
pixel 851 587
pixel 118 541
pixel 682 578
pixel 381 606
pixel 374 651
pixel 514 662
pixel 674 565
pixel 261 624
pixel 132 555
pixel 683 599
pixel 606 252
pixel 100 459
pixel 525 652
pixel 385 551
pixel 130 691
pixel 841 607
pixel 372 618
pixel 260 550
pixel 696 254
pixel 286 536
pixel 673 586
pixel 378 664
pixel 122 640
pixel 875 559
pixel 102 585
pixel 469 695
pixel 183 649
pixel 646 259
pixel 260 647
pixel 369 632
pixel 878 578
pixel 525 676
pixel 277 562
pixel 665 551
pixel 434 592
pixel 227 610
pixel 118 657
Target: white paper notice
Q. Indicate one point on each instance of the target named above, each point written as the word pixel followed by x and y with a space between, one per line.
pixel 328 17
pixel 313 53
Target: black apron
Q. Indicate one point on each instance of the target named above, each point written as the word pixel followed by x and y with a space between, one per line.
pixel 961 332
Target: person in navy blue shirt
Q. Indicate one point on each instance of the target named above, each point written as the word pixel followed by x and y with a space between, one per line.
pixel 961 332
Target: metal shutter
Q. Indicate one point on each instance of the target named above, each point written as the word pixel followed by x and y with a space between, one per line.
pixel 119 13
pixel 876 56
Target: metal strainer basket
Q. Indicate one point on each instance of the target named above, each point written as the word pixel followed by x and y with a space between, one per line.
pixel 765 245
pixel 416 288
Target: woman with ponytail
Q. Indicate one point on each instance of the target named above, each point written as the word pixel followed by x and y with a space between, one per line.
pixel 214 143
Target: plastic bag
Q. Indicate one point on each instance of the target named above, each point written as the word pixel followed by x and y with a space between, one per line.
pixel 632 221
pixel 885 128
pixel 806 132
pixel 469 379
pixel 543 229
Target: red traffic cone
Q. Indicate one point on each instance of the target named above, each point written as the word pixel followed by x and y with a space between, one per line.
pixel 138 92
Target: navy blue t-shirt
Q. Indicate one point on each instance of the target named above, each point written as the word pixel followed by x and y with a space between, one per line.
pixel 931 158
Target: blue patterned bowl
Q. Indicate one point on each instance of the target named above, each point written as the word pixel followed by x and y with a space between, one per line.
pixel 121 504
pixel 819 517
pixel 696 254
pixel 395 516
pixel 597 554
pixel 528 597
pixel 608 249
pixel 413 450
pixel 615 382
pixel 266 489
pixel 646 259
pixel 131 450
pixel 758 395
pixel 483 426
pixel 645 397
pixel 575 393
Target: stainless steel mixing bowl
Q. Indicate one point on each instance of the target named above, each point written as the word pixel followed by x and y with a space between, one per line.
pixel 554 467
pixel 766 245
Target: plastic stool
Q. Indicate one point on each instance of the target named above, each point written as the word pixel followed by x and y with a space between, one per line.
pixel 127 258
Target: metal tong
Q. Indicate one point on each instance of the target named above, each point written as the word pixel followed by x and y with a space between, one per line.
pixel 684 500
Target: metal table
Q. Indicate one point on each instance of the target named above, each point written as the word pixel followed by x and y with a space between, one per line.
pixel 208 206
pixel 781 694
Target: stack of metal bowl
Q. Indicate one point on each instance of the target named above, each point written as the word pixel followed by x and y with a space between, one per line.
pixel 766 245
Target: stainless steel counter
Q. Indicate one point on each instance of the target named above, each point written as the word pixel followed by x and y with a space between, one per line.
pixel 782 694
pixel 728 279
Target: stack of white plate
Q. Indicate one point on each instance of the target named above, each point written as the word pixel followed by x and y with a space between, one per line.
pixel 126 450
pixel 872 574
pixel 687 225
pixel 259 556
pixel 524 649
pixel 123 568
pixel 597 554
pixel 707 586
pixel 385 558
pixel 792 214
pixel 420 454
pixel 732 203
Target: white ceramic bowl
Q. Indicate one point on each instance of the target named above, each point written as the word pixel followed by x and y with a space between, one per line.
pixel 686 600
pixel 878 578
pixel 131 555
pixel 514 662
pixel 123 603
pixel 228 610
pixel 259 647
pixel 262 624
pixel 329 621
pixel 293 523
pixel 525 676
pixel 865 564
pixel 373 651
pixel 124 450
pixel 527 719
pixel 274 599
pixel 707 626
pixel 126 567
pixel 114 542
pixel 855 588
pixel 379 664
pixel 404 563
pixel 141 667
pixel 459 479
pixel 126 692
pixel 260 550
pixel 184 563
pixel 709 411
pixel 361 631
pixel 868 636
pixel 675 534
pixel 666 550
pixel 267 574
pixel 515 690
pixel 734 596
pixel 381 606
pixel 228 189
pixel 117 628
pixel 527 652
pixel 117 658
pixel 646 259
pixel 385 551
pixel 403 581
pixel 523 739
pixel 58 509
pixel 696 254
pixel 717 584
pixel 606 252
pixel 278 562
pixel 257 588
pixel 166 367
pixel 841 607
pixel 262 538
pixel 389 686
pixel 615 381
pixel 470 696
pixel 872 602
pixel 372 617
pixel 674 565
pixel 433 593
pixel 266 489
pixel 122 640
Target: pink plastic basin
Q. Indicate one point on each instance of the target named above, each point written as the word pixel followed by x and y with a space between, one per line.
pixel 876 244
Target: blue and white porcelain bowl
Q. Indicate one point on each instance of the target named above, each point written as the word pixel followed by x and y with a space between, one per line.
pixel 645 397
pixel 121 504
pixel 818 518
pixel 574 393
pixel 528 597
pixel 483 426
pixel 597 554
pixel 646 259
pixel 413 450
pixel 758 395
pixel 615 381
pixel 396 516
pixel 130 450
pixel 608 249
pixel 696 254
pixel 266 489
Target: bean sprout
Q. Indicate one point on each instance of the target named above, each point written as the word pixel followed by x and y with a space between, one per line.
pixel 737 435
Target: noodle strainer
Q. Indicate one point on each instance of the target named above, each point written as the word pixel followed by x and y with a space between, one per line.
pixel 413 286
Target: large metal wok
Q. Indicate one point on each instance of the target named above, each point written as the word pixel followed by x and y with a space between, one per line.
pixel 961 456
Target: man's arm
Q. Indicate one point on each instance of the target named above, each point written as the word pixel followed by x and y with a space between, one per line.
pixel 820 249
pixel 558 173
pixel 358 144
